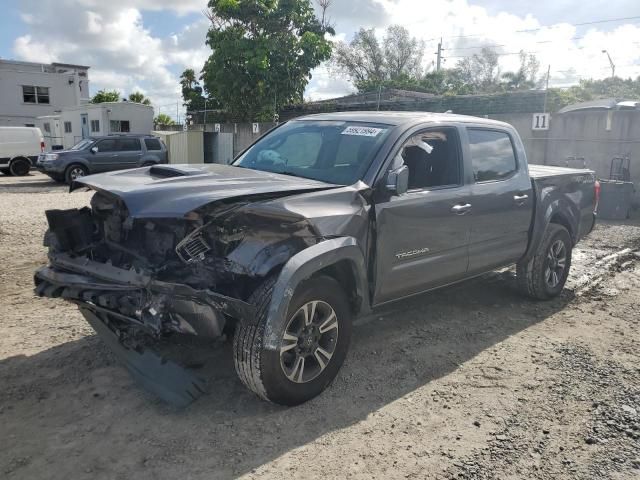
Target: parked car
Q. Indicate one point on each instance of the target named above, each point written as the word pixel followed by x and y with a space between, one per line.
pixel 325 218
pixel 102 154
pixel 19 149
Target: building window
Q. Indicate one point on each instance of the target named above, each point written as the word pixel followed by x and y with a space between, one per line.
pixel 95 126
pixel 39 95
pixel 47 127
pixel 119 126
pixel 67 127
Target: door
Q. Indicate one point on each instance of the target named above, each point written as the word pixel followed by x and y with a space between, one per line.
pixel 84 121
pixel 422 236
pixel 502 199
pixel 129 152
pixel 106 156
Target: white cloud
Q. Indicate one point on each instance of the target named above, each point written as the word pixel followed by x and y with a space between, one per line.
pixel 572 52
pixel 111 38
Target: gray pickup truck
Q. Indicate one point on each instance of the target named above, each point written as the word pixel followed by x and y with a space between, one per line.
pixel 325 218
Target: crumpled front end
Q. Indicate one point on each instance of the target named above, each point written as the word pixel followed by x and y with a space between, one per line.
pixel 148 280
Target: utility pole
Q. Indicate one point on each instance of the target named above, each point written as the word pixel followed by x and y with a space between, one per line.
pixel 546 90
pixel 613 66
pixel 177 114
pixel 439 56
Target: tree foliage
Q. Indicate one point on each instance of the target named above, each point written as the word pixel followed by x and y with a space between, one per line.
pixel 371 63
pixel 138 97
pixel 263 52
pixel 193 99
pixel 163 119
pixel 106 96
pixel 586 90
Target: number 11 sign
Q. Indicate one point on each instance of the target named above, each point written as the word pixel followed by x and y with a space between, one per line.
pixel 540 121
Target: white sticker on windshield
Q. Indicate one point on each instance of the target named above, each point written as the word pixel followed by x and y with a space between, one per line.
pixel 362 131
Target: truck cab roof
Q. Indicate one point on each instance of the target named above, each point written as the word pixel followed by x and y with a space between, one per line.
pixel 402 118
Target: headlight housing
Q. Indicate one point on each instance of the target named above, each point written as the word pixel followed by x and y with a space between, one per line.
pixel 49 157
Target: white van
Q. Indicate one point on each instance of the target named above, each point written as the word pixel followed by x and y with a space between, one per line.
pixel 19 149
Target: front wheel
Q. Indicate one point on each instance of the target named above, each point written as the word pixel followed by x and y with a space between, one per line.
pixel 73 172
pixel 313 343
pixel 543 276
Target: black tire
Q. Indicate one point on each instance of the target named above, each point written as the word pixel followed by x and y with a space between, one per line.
pixel 263 370
pixel 20 167
pixel 536 277
pixel 74 171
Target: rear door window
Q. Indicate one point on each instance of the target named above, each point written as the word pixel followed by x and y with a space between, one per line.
pixel 129 144
pixel 492 155
pixel 152 144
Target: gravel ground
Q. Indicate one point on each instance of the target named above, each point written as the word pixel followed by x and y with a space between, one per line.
pixel 473 381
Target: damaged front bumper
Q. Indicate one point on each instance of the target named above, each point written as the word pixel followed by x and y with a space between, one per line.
pixel 93 283
pixel 98 289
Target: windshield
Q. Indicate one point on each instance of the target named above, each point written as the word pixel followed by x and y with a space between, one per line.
pixel 82 144
pixel 329 151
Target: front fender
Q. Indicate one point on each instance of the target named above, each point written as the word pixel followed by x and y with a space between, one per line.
pixel 302 266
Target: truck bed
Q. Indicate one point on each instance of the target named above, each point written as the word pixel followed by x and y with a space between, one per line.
pixel 546 171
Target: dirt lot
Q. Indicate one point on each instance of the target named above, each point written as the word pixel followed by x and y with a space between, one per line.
pixel 471 382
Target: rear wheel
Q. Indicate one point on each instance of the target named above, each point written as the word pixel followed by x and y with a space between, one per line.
pixel 543 277
pixel 73 172
pixel 312 347
pixel 20 167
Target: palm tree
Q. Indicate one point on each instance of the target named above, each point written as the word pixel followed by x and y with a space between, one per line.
pixel 138 97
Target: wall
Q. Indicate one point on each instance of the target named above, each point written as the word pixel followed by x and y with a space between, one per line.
pixel 185 147
pixel 596 135
pixel 13 75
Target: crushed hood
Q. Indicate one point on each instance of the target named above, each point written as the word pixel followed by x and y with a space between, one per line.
pixel 170 191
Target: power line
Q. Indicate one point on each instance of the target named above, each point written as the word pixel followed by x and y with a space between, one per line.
pixel 530 30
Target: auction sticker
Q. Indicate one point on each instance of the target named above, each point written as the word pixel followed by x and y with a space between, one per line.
pixel 362 131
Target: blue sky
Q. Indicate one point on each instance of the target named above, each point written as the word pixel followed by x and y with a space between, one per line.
pixel 145 44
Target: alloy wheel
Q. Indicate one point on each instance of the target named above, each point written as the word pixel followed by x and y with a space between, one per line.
pixel 556 264
pixel 309 341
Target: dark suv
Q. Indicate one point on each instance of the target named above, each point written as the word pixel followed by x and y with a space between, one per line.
pixel 102 154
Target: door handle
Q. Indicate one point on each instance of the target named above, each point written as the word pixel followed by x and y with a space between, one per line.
pixel 461 209
pixel 520 198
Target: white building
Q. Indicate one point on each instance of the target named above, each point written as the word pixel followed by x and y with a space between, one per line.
pixel 30 90
pixel 94 120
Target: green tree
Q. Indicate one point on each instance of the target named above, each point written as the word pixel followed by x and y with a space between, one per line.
pixel 138 97
pixel 106 96
pixel 393 63
pixel 163 119
pixel 263 54
pixel 481 71
pixel 192 97
pixel 526 77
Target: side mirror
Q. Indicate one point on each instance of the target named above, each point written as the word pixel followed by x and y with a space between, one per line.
pixel 398 180
pixel 93 149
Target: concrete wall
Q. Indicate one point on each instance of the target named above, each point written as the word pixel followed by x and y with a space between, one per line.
pixel 596 135
pixel 66 89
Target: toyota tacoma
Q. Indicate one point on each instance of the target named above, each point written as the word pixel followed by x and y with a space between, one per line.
pixel 325 218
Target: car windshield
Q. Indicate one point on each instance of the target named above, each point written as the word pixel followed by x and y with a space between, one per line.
pixel 330 151
pixel 82 144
